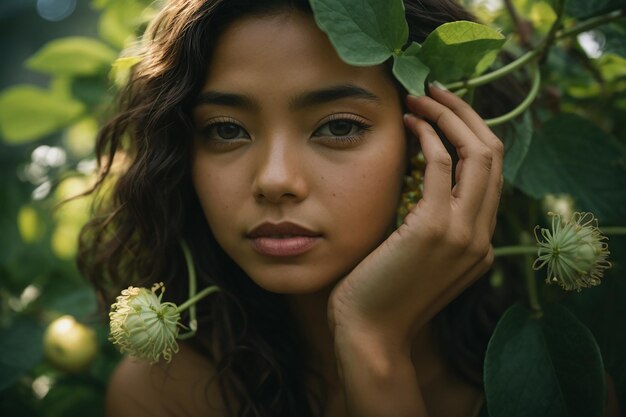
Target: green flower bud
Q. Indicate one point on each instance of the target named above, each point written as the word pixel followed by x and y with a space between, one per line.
pixel 413 189
pixel 563 204
pixel 143 326
pixel 574 250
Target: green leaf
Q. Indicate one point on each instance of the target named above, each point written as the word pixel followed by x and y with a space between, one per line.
pixel 28 113
pixel 459 50
pixel 603 311
pixel 79 302
pixel 91 91
pixel 363 32
pixel 73 56
pixel 614 36
pixel 588 8
pixel 572 155
pixel 517 139
pixel 411 73
pixel 20 349
pixel 550 366
pixel 121 69
pixel 119 22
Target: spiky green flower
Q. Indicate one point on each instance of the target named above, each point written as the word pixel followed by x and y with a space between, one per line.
pixel 574 250
pixel 143 326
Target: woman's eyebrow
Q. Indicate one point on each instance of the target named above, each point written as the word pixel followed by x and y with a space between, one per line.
pixel 332 93
pixel 221 98
pixel 307 99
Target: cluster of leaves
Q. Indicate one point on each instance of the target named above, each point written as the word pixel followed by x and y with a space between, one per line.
pixel 568 140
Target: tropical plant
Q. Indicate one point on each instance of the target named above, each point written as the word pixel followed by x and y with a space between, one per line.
pixel 556 352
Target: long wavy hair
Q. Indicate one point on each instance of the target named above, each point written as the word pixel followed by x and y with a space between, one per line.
pixel 151 205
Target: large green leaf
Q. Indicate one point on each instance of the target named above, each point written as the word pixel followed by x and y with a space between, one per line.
pixel 73 56
pixel 364 32
pixel 20 349
pixel 572 155
pixel 587 8
pixel 459 50
pixel 614 38
pixel 517 139
pixel 548 366
pixel 28 113
pixel 603 310
pixel 410 71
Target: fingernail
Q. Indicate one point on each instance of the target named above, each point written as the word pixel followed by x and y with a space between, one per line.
pixel 408 117
pixel 438 85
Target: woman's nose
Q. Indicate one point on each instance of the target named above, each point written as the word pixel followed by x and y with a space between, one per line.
pixel 280 175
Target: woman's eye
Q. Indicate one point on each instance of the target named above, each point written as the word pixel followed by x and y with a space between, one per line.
pixel 339 128
pixel 341 132
pixel 224 131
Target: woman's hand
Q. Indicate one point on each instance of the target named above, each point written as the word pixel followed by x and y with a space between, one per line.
pixel 443 246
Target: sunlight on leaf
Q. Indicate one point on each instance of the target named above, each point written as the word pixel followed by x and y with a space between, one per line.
pixel 73 56
pixel 28 113
pixel 458 50
pixel 30 225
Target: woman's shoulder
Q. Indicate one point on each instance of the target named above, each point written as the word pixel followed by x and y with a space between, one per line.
pixel 185 386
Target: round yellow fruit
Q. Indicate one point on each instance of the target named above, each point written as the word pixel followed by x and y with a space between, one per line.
pixel 69 345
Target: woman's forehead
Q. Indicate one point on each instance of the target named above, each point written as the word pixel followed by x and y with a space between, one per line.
pixel 283 51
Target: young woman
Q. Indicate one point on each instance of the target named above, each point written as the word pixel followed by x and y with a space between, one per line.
pixel 282 166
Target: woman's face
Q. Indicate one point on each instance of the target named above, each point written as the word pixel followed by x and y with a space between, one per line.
pixel 298 158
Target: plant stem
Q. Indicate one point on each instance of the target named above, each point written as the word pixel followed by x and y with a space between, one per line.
pixel 515 250
pixel 193 297
pixel 617 230
pixel 529 275
pixel 532 250
pixel 533 294
pixel 494 75
pixel 532 94
pixel 533 53
pixel 193 300
pixel 590 24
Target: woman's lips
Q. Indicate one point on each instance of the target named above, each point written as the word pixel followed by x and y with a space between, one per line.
pixel 282 239
pixel 283 246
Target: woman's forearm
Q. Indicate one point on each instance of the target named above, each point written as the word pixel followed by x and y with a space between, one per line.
pixel 378 376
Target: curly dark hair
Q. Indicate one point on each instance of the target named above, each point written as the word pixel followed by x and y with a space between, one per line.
pixel 149 207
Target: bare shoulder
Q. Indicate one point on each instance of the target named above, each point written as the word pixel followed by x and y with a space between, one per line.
pixel 184 387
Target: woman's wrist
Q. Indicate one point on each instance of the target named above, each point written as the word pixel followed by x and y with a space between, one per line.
pixel 372 344
pixel 377 374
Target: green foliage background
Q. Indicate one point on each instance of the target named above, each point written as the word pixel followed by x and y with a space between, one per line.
pixel 571 141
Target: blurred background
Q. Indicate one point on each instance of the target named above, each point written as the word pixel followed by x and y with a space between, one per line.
pixel 56 81
pixel 54 355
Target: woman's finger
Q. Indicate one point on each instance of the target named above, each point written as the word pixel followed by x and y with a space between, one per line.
pixel 474 168
pixel 483 132
pixel 438 174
